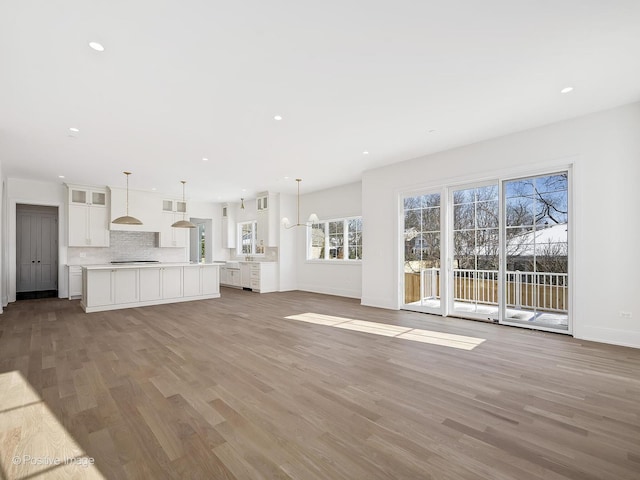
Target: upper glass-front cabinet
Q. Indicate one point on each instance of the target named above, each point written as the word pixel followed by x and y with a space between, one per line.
pixel 82 196
pixel 174 206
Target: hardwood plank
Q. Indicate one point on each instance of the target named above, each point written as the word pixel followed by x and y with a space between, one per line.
pixel 232 388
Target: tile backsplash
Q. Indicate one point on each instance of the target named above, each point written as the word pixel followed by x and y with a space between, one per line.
pixel 126 246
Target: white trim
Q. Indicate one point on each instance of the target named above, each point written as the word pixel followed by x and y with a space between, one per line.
pixel 401 253
pixel 334 261
pixel 11 240
pixel 119 306
pixel 447 186
pixel 329 290
pixel 378 302
pixel 239 252
pixel 345 240
pixel 570 314
pixel 624 338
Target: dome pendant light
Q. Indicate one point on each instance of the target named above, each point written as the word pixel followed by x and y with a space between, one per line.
pixel 127 220
pixel 183 223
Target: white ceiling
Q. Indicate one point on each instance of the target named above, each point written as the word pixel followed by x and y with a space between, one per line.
pixel 179 81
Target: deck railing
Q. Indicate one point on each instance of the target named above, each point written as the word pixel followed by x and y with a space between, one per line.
pixel 540 290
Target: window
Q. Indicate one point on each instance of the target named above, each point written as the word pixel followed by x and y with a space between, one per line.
pixel 338 239
pixel 247 232
pixel 354 245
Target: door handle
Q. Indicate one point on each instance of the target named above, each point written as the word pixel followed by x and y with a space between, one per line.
pixel 33 261
pixel 38 261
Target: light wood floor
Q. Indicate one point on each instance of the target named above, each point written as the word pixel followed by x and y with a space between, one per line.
pixel 229 388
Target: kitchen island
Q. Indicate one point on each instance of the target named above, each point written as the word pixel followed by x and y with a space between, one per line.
pixel 110 287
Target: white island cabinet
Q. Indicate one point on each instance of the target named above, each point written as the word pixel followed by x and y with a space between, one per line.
pixel 110 287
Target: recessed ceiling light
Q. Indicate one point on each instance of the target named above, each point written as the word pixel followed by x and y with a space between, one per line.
pixel 244 189
pixel 154 189
pixel 205 159
pixel 286 178
pixel 96 46
pixel 566 90
pixel 74 129
pixel 365 153
pixel 277 117
pixel 60 176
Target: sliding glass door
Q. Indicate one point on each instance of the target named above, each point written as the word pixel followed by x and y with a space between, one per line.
pixel 421 265
pixel 475 250
pixel 505 245
pixel 536 271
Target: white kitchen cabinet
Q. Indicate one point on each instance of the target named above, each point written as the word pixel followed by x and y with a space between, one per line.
pixel 264 277
pixel 88 217
pixel 172 236
pixel 171 282
pixel 233 276
pixel 173 205
pixel 209 280
pixel 125 286
pixel 150 284
pixel 262 201
pixel 223 276
pixel 191 281
pixel 109 288
pixel 228 227
pixel 201 280
pixel 259 276
pixel 245 275
pixel 267 221
pixel 75 281
pixel 98 287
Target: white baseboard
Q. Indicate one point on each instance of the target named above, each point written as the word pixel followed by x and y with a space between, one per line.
pixel 340 292
pixel 389 304
pixel 624 338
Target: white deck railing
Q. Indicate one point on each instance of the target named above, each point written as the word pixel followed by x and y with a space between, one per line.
pixel 539 290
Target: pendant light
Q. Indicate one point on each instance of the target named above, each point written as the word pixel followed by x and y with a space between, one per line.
pixel 127 220
pixel 183 223
pixel 242 204
pixel 313 218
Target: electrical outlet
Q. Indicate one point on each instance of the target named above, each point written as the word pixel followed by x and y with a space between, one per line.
pixel 626 314
pixel 83 255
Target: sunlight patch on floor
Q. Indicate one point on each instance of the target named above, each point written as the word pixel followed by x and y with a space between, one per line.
pixel 33 443
pixel 415 334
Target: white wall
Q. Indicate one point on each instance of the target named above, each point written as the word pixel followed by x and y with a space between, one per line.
pixel 213 211
pixel 338 277
pixel 604 149
pixel 35 193
pixel 287 242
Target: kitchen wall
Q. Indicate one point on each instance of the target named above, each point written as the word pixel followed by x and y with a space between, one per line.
pixel 604 151
pixel 212 211
pixel 330 277
pixel 31 192
pixel 126 246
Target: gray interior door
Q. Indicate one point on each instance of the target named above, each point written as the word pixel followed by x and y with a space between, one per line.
pixel 36 248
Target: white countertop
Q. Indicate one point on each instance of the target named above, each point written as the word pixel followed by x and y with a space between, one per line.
pixel 111 266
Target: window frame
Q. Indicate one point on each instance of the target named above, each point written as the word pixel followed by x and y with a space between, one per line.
pixel 254 238
pixel 345 244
